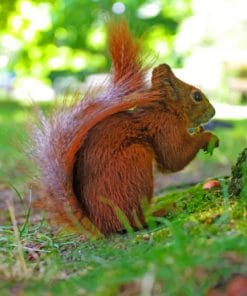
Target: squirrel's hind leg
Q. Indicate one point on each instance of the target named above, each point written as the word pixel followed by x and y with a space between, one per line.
pixel 121 190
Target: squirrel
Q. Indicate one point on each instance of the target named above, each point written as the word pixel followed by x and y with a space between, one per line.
pixel 96 157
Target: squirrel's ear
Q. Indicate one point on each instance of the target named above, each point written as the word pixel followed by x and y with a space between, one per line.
pixel 161 76
pixel 163 80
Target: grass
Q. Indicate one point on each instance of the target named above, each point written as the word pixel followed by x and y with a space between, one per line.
pixel 201 241
pixel 14 120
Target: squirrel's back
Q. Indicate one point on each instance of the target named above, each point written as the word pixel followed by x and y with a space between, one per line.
pixel 104 178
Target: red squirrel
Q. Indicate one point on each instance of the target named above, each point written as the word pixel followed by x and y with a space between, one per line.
pixel 96 157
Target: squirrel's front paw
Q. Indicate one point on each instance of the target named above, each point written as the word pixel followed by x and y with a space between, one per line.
pixel 213 143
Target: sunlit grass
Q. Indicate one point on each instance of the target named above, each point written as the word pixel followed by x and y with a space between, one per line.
pixel 15 121
pixel 202 240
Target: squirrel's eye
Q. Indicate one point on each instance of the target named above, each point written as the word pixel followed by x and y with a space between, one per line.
pixel 197 96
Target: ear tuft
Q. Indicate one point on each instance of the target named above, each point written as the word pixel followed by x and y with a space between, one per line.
pixel 161 75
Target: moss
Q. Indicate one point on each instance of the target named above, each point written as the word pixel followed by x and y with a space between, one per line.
pixel 239 175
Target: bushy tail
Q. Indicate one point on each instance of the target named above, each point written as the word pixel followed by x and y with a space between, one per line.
pixel 126 58
pixel 57 139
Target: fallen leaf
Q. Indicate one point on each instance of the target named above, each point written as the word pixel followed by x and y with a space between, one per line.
pixel 211 184
pixel 237 286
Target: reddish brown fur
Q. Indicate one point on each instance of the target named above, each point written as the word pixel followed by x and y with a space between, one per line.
pixel 97 157
pixel 125 53
pixel 115 161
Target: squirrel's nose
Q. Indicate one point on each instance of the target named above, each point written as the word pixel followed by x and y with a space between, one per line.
pixel 213 112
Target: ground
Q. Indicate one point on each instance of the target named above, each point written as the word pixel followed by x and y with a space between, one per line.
pixel 200 243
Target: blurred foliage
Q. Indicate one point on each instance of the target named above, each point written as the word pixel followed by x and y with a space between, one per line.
pixel 62 37
pixel 5 8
